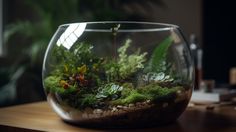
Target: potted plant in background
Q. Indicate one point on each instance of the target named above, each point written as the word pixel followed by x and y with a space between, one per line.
pixel 31 36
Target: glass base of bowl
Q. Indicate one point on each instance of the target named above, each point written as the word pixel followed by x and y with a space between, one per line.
pixel 141 114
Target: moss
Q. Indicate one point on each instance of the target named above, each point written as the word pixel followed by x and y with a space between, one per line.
pixel 133 97
pixel 83 79
pixel 127 88
pixel 157 93
pixel 88 100
pixel 152 92
pixel 52 84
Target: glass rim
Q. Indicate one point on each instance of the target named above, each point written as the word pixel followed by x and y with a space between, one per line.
pixel 162 26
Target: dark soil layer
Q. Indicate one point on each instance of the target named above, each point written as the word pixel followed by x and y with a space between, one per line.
pixel 140 115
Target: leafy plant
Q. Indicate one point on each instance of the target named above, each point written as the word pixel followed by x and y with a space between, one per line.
pixel 111 90
pixel 81 76
pixel 135 61
pixel 49 14
pixel 88 100
pixel 56 85
pixel 157 62
pixel 118 69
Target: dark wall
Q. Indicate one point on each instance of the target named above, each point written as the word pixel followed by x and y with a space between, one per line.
pixel 219 39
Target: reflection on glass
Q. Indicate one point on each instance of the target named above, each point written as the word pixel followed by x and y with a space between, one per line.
pixel 119 77
pixel 71 34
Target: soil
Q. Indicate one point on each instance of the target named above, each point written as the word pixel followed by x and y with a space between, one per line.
pixel 140 114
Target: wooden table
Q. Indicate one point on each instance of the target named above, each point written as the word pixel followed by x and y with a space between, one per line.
pixel 40 117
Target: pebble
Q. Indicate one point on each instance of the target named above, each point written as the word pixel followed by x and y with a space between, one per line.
pixel 131 105
pixel 85 115
pixel 117 110
pixel 165 105
pixel 125 107
pixel 106 113
pixel 114 109
pixel 90 115
pixel 119 106
pixel 88 110
pixel 97 111
pixel 179 92
pixel 138 104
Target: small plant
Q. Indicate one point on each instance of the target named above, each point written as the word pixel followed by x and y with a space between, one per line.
pixel 83 80
pixel 119 69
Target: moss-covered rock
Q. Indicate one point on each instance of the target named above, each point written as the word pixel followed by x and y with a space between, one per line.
pixel 152 92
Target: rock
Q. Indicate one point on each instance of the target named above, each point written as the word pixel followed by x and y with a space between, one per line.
pixel 119 106
pixel 165 105
pixel 125 107
pixel 131 105
pixel 114 109
pixel 90 115
pixel 179 92
pixel 97 111
pixel 88 110
pixel 84 115
pixel 138 104
pixel 96 116
pixel 106 113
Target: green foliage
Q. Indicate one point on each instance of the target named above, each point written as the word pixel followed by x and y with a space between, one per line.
pixel 157 93
pixel 112 70
pixel 111 90
pixel 126 64
pixel 152 92
pixel 78 54
pixel 78 65
pixel 157 62
pixel 133 97
pixel 127 88
pixel 129 63
pixel 81 76
pixel 88 100
pixel 51 84
pixel 49 14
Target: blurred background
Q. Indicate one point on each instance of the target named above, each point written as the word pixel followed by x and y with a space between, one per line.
pixel 26 27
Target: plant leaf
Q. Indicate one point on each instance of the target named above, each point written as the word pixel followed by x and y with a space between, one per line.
pixel 158 58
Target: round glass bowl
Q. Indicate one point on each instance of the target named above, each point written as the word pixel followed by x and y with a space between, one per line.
pixel 118 74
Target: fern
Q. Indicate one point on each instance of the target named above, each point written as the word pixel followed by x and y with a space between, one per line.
pixel 157 62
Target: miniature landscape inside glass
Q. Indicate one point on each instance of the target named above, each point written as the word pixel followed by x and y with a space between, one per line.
pixel 135 84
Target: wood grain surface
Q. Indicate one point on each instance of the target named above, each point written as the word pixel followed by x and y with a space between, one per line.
pixel 40 117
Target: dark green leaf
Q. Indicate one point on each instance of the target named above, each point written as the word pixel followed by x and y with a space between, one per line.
pixel 158 59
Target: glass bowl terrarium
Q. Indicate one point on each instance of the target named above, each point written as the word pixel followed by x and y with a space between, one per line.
pixel 118 74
